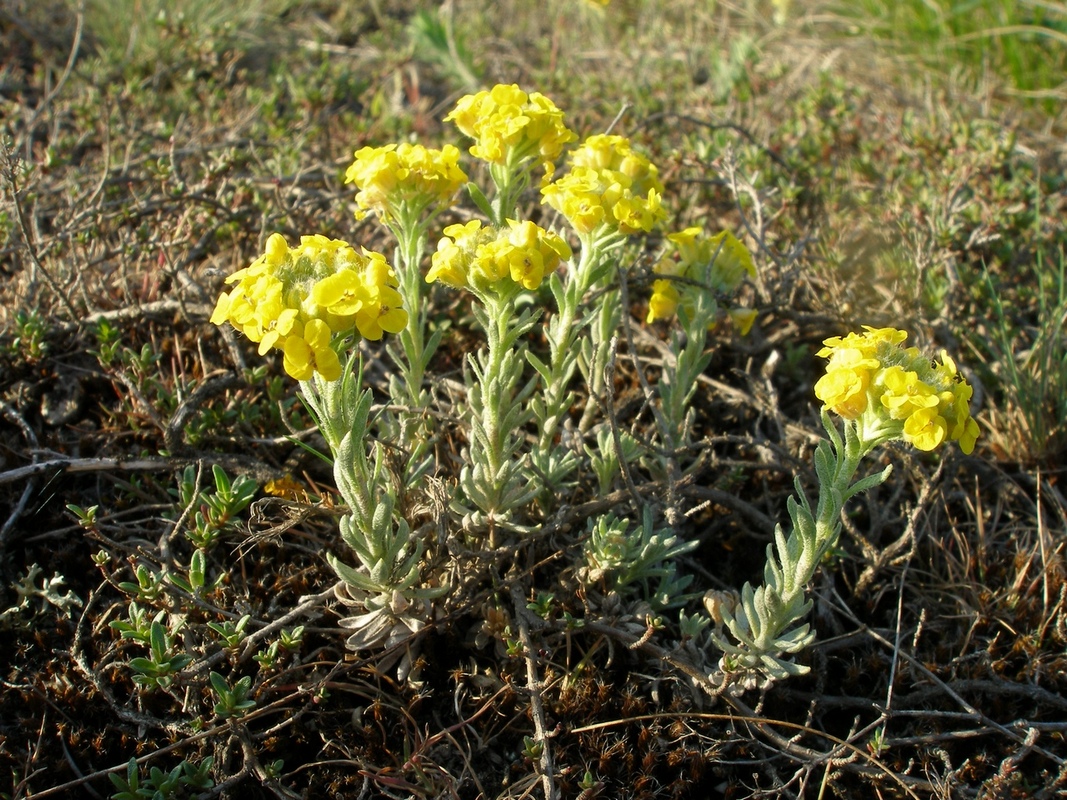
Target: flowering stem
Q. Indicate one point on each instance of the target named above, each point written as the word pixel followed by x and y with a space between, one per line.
pixel 494 481
pixel 412 425
pixel 679 379
pixel 387 552
pixel 565 327
pixel 762 623
pixel 511 180
pixel 411 235
pixel 500 315
pixel 552 460
pixel 884 392
pixel 562 332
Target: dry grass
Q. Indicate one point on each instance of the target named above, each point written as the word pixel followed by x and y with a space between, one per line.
pixel 133 184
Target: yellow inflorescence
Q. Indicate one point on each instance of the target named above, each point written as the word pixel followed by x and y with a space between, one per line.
pixel 393 176
pixel 717 262
pixel 511 127
pixel 297 299
pixel 871 373
pixel 471 254
pixel 608 185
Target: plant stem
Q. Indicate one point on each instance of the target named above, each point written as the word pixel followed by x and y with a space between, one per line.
pixel 562 334
pixel 411 243
pixel 495 392
pixel 763 621
pixel 494 481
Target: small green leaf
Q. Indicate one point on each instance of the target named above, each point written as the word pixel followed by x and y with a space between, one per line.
pixel 219 684
pixel 480 199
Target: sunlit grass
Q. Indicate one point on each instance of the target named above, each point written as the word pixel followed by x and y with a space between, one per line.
pixel 1022 42
pixel 144 31
pixel 1029 364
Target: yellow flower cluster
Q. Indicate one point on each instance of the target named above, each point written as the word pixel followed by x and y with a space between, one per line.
pixel 608 185
pixel 394 177
pixel 718 262
pixel 511 127
pixel 470 254
pixel 295 299
pixel 871 373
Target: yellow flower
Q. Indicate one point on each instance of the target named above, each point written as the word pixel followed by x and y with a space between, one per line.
pixel 286 486
pixel 844 386
pixel 492 260
pixel 385 315
pixel 955 405
pixel 743 318
pixel 533 253
pixel 578 197
pixel 512 128
pixel 455 251
pixel 309 351
pixel 687 244
pixel 342 293
pixel 527 267
pixel 277 250
pixel 274 319
pixel 898 391
pixel 297 299
pixel 867 343
pixel 721 261
pixel 925 429
pixel 394 179
pixel 609 185
pixel 615 154
pixel 318 249
pixel 448 265
pixel 966 433
pixel 904 394
pixel 470 255
pixel 713 265
pixel 221 313
pixel 730 262
pixel 664 301
pixel 635 214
